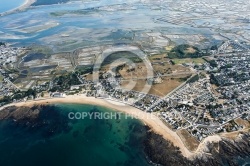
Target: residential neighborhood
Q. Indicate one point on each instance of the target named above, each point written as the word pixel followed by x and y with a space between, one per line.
pixel 205 104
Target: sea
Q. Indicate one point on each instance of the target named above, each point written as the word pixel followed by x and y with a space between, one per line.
pixel 55 139
pixel 9 5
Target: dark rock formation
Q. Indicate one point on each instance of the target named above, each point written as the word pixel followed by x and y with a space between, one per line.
pixel 19 113
pixel 223 153
pixel 163 152
pixel 46 120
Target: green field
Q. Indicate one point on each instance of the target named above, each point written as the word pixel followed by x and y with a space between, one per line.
pixel 1 78
pixel 189 60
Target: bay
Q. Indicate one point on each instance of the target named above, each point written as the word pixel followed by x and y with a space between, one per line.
pixel 54 139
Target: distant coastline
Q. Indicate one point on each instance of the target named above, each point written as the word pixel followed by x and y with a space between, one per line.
pixel 25 5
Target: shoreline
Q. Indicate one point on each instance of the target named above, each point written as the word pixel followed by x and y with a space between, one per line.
pixel 25 5
pixel 149 119
pixel 160 136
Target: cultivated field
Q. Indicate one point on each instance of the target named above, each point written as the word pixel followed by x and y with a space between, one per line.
pixel 161 89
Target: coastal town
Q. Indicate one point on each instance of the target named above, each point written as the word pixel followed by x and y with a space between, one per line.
pixel 172 76
pixel 213 99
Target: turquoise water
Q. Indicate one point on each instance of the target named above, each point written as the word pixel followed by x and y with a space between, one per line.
pixel 54 139
pixel 6 5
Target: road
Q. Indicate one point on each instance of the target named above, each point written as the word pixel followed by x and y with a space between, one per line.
pixel 169 94
pixel 7 80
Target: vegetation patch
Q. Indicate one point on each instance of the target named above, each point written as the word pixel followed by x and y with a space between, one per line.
pixel 84 69
pixel 188 60
pixel 1 78
pixel 64 82
pixel 194 79
pixel 211 62
pixel 185 51
pixel 122 54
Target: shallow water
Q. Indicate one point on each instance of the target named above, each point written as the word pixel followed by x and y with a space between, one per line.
pixel 56 140
pixel 96 21
pixel 6 5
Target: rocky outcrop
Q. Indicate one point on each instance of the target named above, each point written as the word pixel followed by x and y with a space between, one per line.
pixel 224 152
pixel 163 152
pixel 46 120
pixel 20 113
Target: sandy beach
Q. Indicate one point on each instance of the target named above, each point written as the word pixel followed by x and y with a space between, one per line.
pixel 149 119
pixel 24 6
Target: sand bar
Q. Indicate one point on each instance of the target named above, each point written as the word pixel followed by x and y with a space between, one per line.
pixel 24 6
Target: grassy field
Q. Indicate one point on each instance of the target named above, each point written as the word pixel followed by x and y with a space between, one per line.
pixel 189 60
pixel 1 78
pixel 159 57
pixel 242 122
pixel 169 48
pixel 161 90
pixel 190 142
pixel 164 88
pixel 140 70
